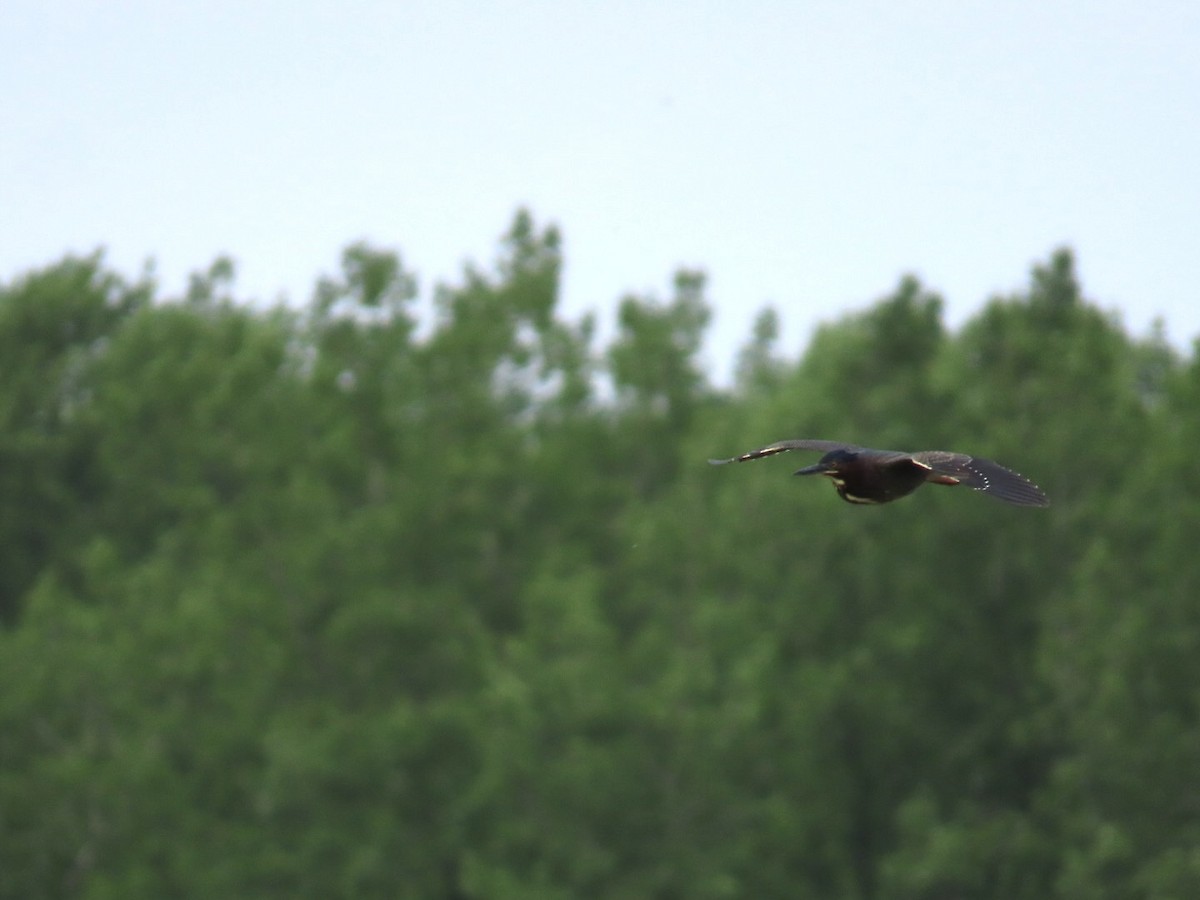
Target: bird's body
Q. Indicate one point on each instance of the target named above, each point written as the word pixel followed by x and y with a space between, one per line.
pixel 862 475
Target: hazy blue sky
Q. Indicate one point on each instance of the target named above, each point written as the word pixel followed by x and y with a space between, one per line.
pixel 805 154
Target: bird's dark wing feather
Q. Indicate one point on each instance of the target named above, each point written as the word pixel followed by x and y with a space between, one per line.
pixel 890 458
pixel 782 447
pixel 983 475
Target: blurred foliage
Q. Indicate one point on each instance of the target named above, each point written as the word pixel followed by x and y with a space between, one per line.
pixel 333 602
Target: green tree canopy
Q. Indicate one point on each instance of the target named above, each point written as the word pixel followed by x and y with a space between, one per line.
pixel 351 600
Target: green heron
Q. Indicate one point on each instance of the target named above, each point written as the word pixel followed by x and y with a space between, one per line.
pixel 881 476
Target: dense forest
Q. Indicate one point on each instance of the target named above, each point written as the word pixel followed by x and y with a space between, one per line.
pixel 339 600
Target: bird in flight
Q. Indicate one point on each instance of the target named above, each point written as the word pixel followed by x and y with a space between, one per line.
pixel 881 476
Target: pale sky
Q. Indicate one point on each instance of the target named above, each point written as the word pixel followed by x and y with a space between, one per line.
pixel 805 155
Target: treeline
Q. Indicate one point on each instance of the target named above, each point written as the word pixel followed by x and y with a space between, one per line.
pixel 332 602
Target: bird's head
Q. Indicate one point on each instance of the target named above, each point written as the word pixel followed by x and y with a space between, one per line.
pixel 830 464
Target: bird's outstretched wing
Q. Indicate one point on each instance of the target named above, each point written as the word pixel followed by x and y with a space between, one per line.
pixel 783 447
pixel 982 475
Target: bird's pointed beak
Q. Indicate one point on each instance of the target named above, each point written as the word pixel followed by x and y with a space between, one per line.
pixel 815 469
